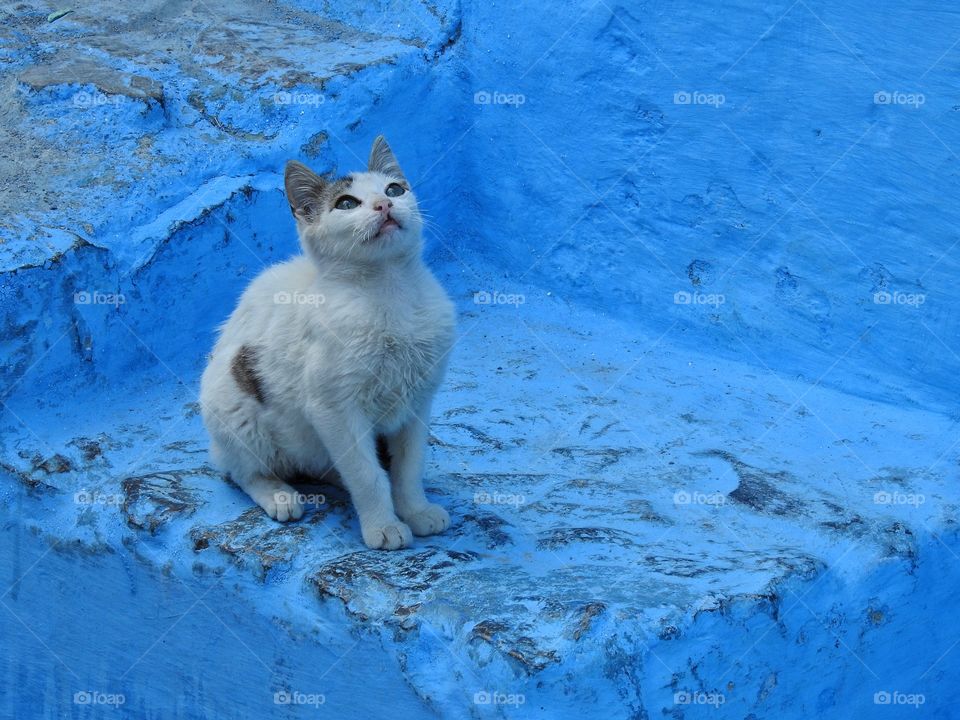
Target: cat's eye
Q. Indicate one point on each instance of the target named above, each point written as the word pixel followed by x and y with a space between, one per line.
pixel 346 202
pixel 395 190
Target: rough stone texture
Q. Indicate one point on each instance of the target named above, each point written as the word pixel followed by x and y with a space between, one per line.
pixel 152 500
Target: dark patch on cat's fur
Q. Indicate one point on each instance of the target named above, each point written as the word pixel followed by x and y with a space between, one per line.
pixel 332 191
pixel 328 195
pixel 244 371
pixel 383 452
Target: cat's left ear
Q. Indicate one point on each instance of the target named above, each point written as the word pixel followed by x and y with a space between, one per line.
pixel 304 190
pixel 382 159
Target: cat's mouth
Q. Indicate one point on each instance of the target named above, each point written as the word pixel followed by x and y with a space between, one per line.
pixel 388 225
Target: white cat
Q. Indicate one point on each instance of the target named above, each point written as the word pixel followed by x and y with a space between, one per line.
pixel 330 350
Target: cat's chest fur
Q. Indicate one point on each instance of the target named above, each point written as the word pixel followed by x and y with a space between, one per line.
pixel 393 342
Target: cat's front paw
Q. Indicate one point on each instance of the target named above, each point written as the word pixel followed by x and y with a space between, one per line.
pixel 283 505
pixel 386 536
pixel 429 520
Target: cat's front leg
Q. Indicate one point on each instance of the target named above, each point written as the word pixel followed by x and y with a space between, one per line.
pixel 351 444
pixel 407 447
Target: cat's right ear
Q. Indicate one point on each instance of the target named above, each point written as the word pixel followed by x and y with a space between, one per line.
pixel 304 190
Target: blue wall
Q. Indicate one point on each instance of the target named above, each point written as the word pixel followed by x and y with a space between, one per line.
pixel 797 199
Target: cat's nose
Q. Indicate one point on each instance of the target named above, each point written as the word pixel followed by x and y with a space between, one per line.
pixel 383 206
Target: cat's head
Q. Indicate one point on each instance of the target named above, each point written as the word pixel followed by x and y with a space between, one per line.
pixel 366 216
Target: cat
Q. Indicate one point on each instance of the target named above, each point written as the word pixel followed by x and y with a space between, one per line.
pixel 329 351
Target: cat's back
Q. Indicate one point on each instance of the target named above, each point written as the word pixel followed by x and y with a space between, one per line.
pixel 273 292
pixel 283 284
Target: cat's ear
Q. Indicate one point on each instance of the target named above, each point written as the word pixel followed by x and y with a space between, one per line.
pixel 382 159
pixel 304 190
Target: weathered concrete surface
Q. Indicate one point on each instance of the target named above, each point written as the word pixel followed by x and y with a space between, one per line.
pixel 643 525
pixel 116 111
pixel 589 544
